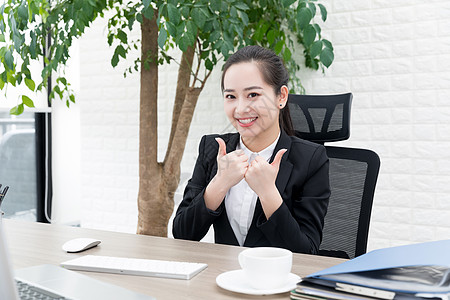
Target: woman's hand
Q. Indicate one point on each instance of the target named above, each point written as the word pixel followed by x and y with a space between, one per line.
pixel 261 178
pixel 231 169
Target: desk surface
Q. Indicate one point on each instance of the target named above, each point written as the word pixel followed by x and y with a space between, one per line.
pixel 36 243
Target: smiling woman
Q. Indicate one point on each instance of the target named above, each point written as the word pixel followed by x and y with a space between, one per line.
pixel 252 105
pixel 259 186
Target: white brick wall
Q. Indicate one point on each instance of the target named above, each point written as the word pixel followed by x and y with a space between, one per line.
pixel 394 56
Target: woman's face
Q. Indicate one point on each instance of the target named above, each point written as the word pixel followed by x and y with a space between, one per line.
pixel 251 104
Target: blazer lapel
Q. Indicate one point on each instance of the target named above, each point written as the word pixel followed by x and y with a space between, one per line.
pixel 284 173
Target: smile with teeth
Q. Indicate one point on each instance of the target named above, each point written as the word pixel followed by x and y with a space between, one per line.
pixel 246 120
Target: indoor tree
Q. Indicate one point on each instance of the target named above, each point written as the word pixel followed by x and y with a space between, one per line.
pixel 206 33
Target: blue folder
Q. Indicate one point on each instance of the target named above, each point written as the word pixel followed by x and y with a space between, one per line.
pixel 424 254
pixel 381 269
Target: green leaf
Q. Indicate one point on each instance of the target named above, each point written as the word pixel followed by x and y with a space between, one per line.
pixel 199 17
pixel 312 7
pixel 317 28
pixel 72 98
pixel 146 3
pixel 11 79
pixel 233 12
pixel 110 39
pixel 139 18
pixel 323 12
pixel 115 60
pixel 190 37
pixel 287 54
pixel 206 12
pixel 22 12
pixel 27 101
pixel 172 29
pixel 120 50
pixel 185 12
pixel 162 37
pixel 2 38
pixel 304 16
pixel 316 48
pixel 3 51
pixel 180 29
pixel 122 36
pixel 208 64
pixel 278 47
pixel 183 43
pixel 61 80
pixel 30 84
pixel 148 13
pixel 239 30
pixel 191 30
pixel 241 6
pixel 215 35
pixel 4 77
pixel 309 35
pixel 327 44
pixel 58 91
pixel 287 3
pixel 13 24
pixel 271 36
pixel 326 57
pixel 9 60
pixel 207 27
pixel 33 44
pixel 214 5
pixel 17 110
pixel 244 17
pixel 174 14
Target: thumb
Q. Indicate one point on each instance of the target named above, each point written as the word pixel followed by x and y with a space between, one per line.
pixel 222 147
pixel 277 159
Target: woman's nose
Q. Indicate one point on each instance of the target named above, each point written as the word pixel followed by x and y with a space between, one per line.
pixel 242 105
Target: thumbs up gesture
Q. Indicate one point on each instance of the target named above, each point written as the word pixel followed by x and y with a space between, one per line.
pixel 231 167
pixel 261 175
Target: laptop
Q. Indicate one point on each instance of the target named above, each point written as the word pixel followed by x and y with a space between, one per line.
pixel 56 282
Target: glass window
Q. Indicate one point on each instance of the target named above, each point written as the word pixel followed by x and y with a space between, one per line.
pixel 18 165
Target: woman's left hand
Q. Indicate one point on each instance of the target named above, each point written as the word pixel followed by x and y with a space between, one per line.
pixel 261 175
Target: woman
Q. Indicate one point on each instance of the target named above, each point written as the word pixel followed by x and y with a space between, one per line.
pixel 259 186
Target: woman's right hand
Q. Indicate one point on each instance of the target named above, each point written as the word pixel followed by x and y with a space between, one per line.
pixel 231 167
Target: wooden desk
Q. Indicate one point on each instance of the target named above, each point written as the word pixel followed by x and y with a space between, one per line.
pixel 36 243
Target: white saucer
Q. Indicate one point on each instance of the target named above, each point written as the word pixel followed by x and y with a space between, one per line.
pixel 234 281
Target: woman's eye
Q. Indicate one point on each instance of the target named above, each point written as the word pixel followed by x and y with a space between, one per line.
pixel 253 95
pixel 229 96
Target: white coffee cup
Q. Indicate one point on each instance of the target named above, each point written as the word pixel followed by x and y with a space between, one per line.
pixel 266 267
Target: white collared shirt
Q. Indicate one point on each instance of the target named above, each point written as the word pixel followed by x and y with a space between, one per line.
pixel 240 200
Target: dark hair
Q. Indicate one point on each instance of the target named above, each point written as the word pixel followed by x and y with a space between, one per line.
pixel 274 73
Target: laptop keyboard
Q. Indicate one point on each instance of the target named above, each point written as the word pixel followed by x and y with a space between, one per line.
pixel 135 266
pixel 31 292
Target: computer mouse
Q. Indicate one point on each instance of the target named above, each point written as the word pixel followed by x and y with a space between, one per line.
pixel 80 244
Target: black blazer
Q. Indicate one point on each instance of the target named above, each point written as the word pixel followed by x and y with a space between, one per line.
pixel 303 183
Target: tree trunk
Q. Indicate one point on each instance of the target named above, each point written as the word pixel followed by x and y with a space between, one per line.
pixel 149 169
pixel 159 181
pixel 184 77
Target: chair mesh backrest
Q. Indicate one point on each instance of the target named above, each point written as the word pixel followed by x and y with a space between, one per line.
pixel 353 174
pixel 321 118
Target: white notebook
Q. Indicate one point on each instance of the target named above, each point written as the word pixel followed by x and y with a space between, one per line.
pixel 135 266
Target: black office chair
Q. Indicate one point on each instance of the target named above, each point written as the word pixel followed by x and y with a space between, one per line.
pixel 353 172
